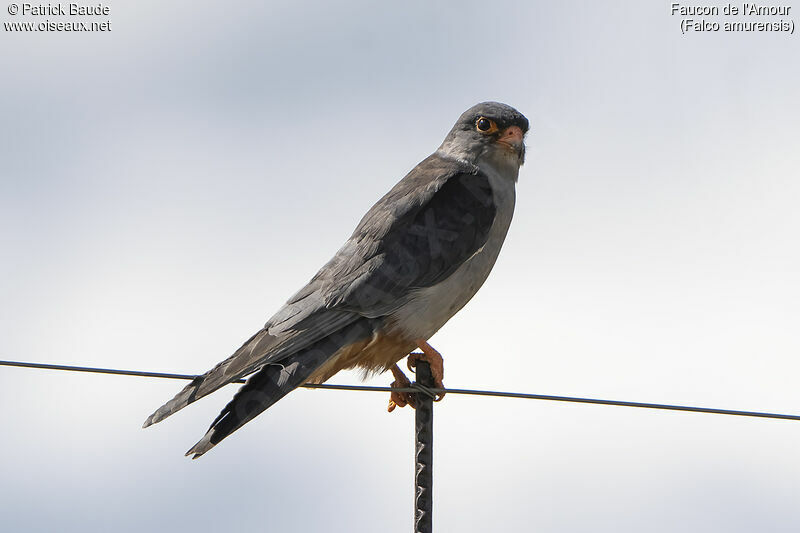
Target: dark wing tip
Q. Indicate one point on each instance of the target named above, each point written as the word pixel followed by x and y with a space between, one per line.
pixel 181 400
pixel 158 415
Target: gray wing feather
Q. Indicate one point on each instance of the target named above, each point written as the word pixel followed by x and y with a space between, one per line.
pixel 270 344
pixel 415 236
pixel 413 239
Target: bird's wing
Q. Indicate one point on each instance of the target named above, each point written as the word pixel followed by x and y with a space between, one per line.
pixel 415 236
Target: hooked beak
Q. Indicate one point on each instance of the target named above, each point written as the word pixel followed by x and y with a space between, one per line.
pixel 512 137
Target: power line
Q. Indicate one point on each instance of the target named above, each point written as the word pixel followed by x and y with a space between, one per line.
pixel 426 390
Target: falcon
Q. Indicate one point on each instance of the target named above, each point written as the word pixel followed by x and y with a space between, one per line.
pixel 415 259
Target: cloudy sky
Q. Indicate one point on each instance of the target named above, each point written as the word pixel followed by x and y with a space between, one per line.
pixel 165 186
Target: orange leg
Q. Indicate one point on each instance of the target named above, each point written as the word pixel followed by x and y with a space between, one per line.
pixel 397 398
pixel 434 359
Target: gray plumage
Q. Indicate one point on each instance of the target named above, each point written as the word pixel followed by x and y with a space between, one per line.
pixel 417 256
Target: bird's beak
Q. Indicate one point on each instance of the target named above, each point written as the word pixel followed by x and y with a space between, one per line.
pixel 512 137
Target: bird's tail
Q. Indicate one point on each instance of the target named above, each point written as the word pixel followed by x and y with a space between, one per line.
pixel 225 372
pixel 276 380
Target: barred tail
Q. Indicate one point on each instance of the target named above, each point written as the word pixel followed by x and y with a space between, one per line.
pixel 275 381
pixel 234 367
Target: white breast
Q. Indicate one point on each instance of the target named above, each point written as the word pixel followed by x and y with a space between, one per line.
pixel 430 308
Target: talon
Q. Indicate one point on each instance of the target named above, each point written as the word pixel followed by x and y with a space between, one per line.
pixel 397 398
pixel 395 403
pixel 434 359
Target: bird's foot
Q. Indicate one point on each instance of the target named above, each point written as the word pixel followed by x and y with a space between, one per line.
pixel 434 359
pixel 398 398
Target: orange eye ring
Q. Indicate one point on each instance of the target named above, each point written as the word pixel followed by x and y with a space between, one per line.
pixel 486 125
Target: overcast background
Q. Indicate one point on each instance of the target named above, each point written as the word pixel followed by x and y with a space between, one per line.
pixel 168 184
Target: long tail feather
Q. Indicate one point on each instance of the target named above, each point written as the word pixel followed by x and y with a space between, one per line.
pixel 275 381
pixel 225 372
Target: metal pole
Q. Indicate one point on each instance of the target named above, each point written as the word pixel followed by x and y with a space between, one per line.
pixel 423 432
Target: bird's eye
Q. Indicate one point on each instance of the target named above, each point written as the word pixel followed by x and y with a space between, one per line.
pixel 485 125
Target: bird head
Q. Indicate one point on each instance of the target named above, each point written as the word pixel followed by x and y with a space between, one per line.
pixel 488 132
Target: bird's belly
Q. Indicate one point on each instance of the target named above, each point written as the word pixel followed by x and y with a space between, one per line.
pixel 430 308
pixel 373 355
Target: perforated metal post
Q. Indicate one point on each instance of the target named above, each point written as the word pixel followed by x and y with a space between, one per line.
pixel 423 432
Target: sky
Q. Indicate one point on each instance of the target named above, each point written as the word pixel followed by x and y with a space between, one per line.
pixel 168 184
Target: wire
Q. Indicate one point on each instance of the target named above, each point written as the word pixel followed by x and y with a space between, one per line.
pixel 416 388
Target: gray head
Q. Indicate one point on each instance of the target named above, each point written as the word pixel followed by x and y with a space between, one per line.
pixel 489 130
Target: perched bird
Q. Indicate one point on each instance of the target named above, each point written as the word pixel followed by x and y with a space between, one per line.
pixel 415 259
